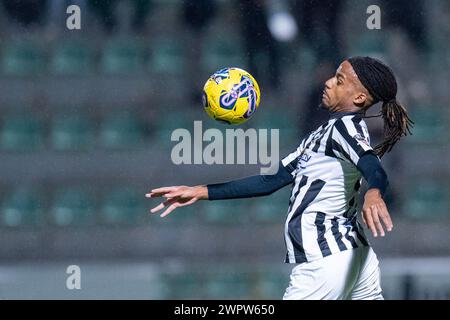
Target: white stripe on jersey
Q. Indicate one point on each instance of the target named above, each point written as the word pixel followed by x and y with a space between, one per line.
pixel 321 218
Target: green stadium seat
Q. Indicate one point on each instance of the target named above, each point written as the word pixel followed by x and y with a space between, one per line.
pixel 122 131
pixel 73 207
pixel 271 285
pixel 23 58
pixel 22 207
pixel 306 59
pixel 226 212
pixel 428 200
pixel 273 118
pixel 167 124
pixel 285 122
pixel 223 52
pixel 72 132
pixel 369 44
pixel 167 57
pixel 123 56
pixel 124 205
pixel 72 58
pixel 429 126
pixel 21 133
pixel 186 285
pixel 271 209
pixel 228 285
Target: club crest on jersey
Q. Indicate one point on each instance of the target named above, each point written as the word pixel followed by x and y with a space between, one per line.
pixel 361 139
pixel 304 158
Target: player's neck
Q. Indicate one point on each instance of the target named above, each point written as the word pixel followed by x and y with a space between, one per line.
pixel 344 110
pixel 339 114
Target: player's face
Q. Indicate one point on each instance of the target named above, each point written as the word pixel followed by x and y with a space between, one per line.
pixel 340 90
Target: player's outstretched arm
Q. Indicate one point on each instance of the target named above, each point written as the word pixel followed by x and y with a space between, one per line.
pixel 254 186
pixel 177 196
pixel 374 211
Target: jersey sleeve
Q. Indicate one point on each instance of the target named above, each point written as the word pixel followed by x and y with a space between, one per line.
pixel 372 170
pixel 255 186
pixel 291 160
pixel 350 139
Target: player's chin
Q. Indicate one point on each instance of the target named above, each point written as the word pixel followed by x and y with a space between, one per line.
pixel 325 103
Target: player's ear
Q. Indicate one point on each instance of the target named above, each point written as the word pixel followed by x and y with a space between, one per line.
pixel 360 99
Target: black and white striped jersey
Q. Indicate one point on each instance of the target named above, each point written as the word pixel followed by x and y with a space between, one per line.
pixel 322 214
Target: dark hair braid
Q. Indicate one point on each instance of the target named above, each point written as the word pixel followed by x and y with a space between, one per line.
pixel 380 82
pixel 396 125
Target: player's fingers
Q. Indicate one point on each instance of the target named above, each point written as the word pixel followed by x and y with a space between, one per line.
pixel 175 204
pixel 385 217
pixel 173 194
pixel 154 194
pixel 187 202
pixel 376 219
pixel 162 190
pixel 169 210
pixel 162 205
pixel 165 193
pixel 364 219
pixel 157 208
pixel 369 221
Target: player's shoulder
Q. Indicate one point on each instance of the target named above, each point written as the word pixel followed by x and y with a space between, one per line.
pixel 352 125
pixel 351 121
pixel 353 118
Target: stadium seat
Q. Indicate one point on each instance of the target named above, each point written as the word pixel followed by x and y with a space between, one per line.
pixel 272 118
pixel 123 56
pixel 73 207
pixel 21 133
pixel 228 285
pixel 305 58
pixel 123 205
pixel 186 285
pixel 22 207
pixel 427 200
pixel 222 52
pixel 167 57
pixel 72 58
pixel 71 132
pixel 369 44
pixel 121 130
pixel 429 125
pixel 23 58
pixel 286 123
pixel 171 121
pixel 226 212
pixel 271 285
pixel 271 209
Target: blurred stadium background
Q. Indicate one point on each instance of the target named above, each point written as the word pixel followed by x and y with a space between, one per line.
pixel 85 123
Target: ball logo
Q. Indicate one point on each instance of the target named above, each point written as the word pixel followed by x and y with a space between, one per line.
pixel 220 75
pixel 244 89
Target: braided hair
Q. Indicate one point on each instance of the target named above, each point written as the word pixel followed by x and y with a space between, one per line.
pixel 380 82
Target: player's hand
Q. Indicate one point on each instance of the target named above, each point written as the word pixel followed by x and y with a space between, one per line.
pixel 374 212
pixel 179 196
